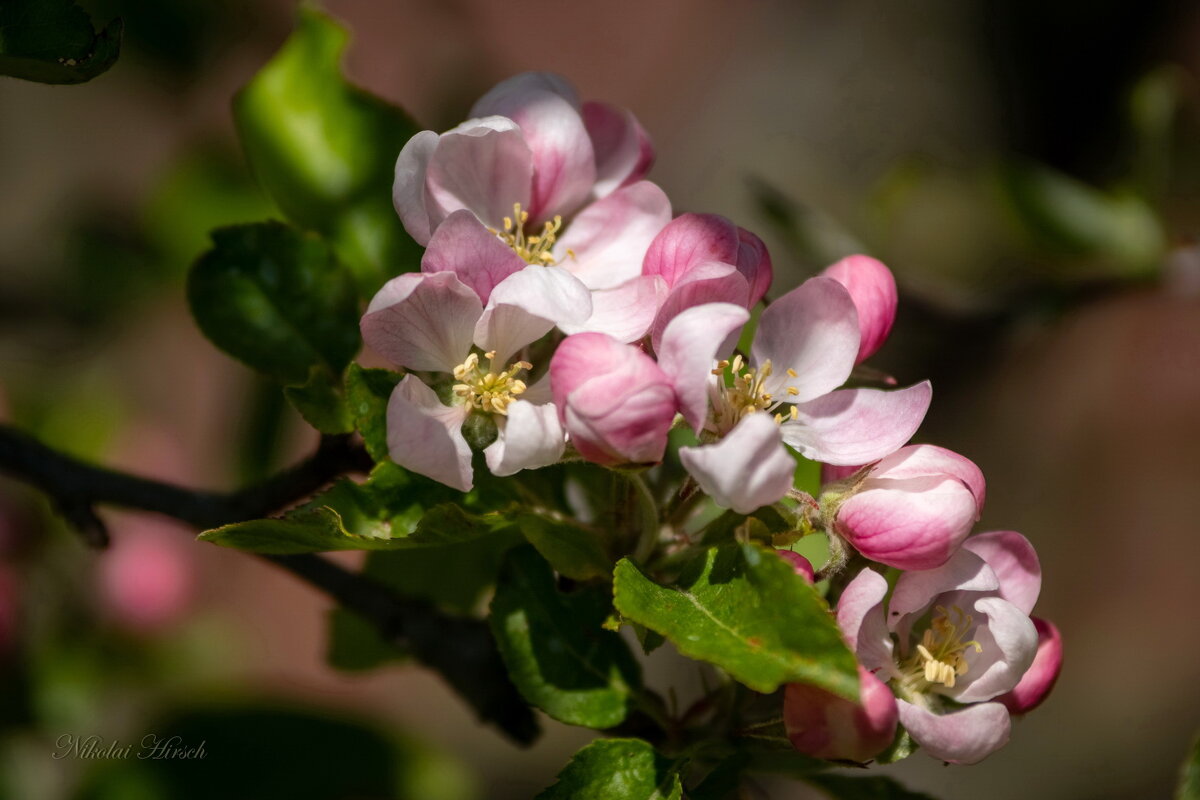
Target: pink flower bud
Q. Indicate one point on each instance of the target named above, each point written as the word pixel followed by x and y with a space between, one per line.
pixel 873 290
pixel 802 565
pixel 146 579
pixel 1039 679
pixel 615 402
pixel 914 509
pixel 824 725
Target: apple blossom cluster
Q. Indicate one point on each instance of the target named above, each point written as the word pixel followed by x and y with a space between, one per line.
pixel 563 312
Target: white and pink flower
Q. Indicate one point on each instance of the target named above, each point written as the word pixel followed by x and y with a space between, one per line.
pixel 805 347
pixel 556 182
pixel 951 642
pixel 433 322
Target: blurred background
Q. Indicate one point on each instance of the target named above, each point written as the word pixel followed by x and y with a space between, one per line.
pixel 1029 170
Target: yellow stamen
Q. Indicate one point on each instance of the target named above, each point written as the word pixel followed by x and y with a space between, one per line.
pixel 489 391
pixel 939 658
pixel 534 249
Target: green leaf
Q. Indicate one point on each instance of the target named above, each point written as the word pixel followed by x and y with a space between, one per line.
pixel 367 393
pixel 277 300
pixel 617 769
pixel 1189 774
pixel 1117 233
pixel 355 644
pixel 321 402
pixel 878 787
pixel 557 652
pixel 53 41
pixel 312 530
pixel 325 150
pixel 743 608
pixel 571 549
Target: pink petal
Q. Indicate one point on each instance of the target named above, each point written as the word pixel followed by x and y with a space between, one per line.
pixel 812 330
pixel 1008 643
pixel 1039 679
pixel 873 290
pixel 624 312
pixel 690 345
pixel 917 590
pixel 911 523
pixel 802 565
pixel 1013 559
pixel 747 469
pixel 823 725
pixel 422 321
pixel 860 616
pixel 623 151
pixel 462 245
pixel 547 110
pixel 609 238
pixel 709 282
pixel 527 305
pixel 921 460
pixel 754 262
pixel 961 737
pixel 426 437
pixel 483 166
pixel 615 402
pixel 409 194
pixel 689 240
pixel 857 426
pixel 530 436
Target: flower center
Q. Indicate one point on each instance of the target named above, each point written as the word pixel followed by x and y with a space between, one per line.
pixel 745 393
pixel 533 249
pixel 939 657
pixel 489 391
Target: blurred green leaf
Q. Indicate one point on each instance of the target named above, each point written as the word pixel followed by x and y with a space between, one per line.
pixel 571 549
pixel 1117 232
pixel 53 41
pixel 1189 774
pixel 557 653
pixel 877 787
pixel 321 402
pixel 617 769
pixel 812 237
pixel 276 299
pixel 744 609
pixel 368 392
pixel 325 150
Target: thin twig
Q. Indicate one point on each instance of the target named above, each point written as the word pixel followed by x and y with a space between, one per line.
pixel 462 649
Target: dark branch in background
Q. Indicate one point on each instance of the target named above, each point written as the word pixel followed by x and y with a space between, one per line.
pixel 461 649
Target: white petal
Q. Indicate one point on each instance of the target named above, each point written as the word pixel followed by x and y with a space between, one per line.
pixel 1008 640
pixel 747 469
pixel 483 166
pixel 422 321
pixel 462 245
pixel 916 590
pixel 857 426
pixel 409 195
pixel 529 437
pixel 525 306
pixel 426 437
pixel 812 330
pixel 860 616
pixel 609 238
pixel 961 737
pixel 691 343
pixel 623 312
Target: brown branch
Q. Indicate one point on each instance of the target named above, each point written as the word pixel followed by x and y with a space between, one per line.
pixel 461 649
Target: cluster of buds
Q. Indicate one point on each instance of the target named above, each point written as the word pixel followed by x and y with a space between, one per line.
pixel 549 253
